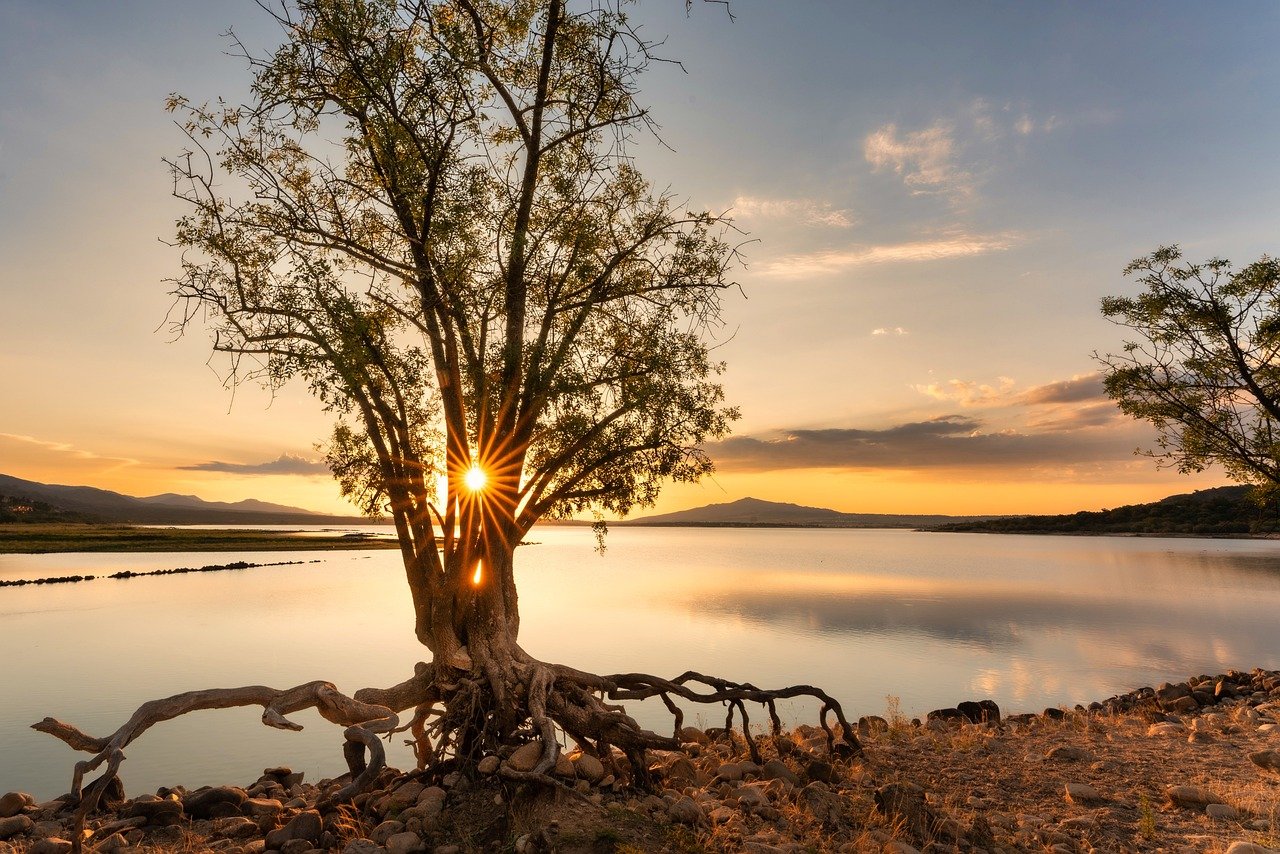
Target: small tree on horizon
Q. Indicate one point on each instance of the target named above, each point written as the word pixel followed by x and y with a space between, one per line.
pixel 428 214
pixel 1204 367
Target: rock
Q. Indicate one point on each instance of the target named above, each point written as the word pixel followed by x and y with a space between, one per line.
pixel 588 768
pixel 904 803
pixel 897 846
pixel 1069 753
pixel 721 815
pixel 50 845
pixel 872 724
pixel 406 843
pixel 687 811
pixel 13 803
pixel 946 715
pixel 1191 797
pixel 296 846
pixel 681 771
pixel 405 796
pixel 446 849
pixel 1166 729
pixel 1201 737
pixel 1080 793
pixel 235 827
pixel 1250 848
pixel 262 809
pixel 694 735
pixel 14 825
pixel 158 812
pixel 730 772
pixel 363 846
pixel 750 798
pixel 776 769
pixel 564 767
pixel 305 825
pixel 982 711
pixel 1267 760
pixel 820 802
pixel 385 831
pixel 526 756
pixel 202 803
pixel 821 771
pixel 488 765
pixel 1221 811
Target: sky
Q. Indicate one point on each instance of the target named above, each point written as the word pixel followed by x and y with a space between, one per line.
pixel 936 197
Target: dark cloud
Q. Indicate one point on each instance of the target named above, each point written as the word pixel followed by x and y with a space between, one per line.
pixel 952 441
pixel 285 464
pixel 1074 390
pixel 1093 415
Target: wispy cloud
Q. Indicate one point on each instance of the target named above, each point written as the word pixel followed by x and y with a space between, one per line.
pixel 889 330
pixel 968 392
pixel 1080 387
pixel 828 261
pixel 948 442
pixel 284 464
pixel 805 211
pixel 925 159
pixel 63 448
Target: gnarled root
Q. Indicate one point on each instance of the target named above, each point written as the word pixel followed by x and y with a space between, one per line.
pixel 363 720
pixel 500 701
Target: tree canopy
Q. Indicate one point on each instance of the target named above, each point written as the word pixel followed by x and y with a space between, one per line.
pixel 1203 367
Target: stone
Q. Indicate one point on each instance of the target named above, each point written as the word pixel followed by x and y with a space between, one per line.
pixel 262 809
pixel 721 815
pixel 730 772
pixel 305 825
pixel 202 803
pixel 406 843
pixel 905 804
pixel 588 768
pixel 564 766
pixel 526 756
pixel 14 825
pixel 234 827
pixel 776 769
pixel 296 846
pixel 750 798
pixel 982 711
pixel 821 771
pixel 820 802
pixel 405 796
pixel 1225 812
pixel 687 811
pixel 1166 729
pixel 12 803
pixel 157 811
pixel 50 845
pixel 1250 848
pixel 385 831
pixel 897 846
pixel 871 725
pixel 1079 793
pixel 488 765
pixel 1267 760
pixel 1191 797
pixel 693 734
pixel 1069 753
pixel 681 770
pixel 363 846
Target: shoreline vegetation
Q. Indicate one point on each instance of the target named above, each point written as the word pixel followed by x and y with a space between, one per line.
pixel 62 537
pixel 1183 767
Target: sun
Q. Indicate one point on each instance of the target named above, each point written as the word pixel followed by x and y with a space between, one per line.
pixel 475 479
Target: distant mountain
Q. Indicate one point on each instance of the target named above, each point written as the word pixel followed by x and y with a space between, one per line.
pixel 1222 511
pixel 754 512
pixel 101 505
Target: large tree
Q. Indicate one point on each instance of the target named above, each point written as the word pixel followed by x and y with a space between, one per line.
pixel 428 213
pixel 1204 366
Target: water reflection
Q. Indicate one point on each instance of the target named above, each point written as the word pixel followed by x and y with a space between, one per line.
pixel 932 619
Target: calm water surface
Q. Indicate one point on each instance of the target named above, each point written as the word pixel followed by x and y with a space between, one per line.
pixel 931 619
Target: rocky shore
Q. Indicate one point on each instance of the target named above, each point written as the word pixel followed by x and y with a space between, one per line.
pixel 1192 766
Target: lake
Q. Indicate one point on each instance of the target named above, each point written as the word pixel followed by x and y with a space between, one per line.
pixel 930 619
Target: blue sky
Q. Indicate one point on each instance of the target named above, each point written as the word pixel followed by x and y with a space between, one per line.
pixel 937 197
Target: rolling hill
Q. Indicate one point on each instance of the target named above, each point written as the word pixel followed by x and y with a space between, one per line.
pixel 756 513
pixel 89 504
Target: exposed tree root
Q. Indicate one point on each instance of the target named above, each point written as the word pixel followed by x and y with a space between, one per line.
pixel 460 715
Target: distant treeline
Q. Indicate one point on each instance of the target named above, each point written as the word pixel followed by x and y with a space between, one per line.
pixel 14 508
pixel 1225 511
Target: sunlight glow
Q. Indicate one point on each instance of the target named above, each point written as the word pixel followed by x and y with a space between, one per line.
pixel 475 579
pixel 475 479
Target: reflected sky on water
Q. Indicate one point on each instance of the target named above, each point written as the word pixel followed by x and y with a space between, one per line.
pixel 931 619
